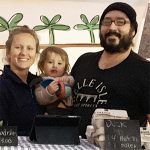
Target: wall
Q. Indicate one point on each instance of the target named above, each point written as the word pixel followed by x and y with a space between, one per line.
pixel 144 49
pixel 70 11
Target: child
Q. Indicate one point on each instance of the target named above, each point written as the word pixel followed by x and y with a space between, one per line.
pixel 54 64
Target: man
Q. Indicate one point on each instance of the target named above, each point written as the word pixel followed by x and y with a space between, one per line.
pixel 115 78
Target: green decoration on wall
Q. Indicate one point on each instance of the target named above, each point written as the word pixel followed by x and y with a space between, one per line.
pixel 11 24
pixel 89 26
pixel 51 25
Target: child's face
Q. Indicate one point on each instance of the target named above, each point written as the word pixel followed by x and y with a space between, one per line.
pixel 54 66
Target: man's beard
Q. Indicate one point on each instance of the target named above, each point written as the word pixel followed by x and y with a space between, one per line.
pixel 124 43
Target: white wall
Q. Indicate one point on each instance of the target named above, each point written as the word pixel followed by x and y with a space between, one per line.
pixel 70 10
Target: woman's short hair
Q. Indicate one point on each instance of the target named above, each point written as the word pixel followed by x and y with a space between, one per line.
pixel 18 30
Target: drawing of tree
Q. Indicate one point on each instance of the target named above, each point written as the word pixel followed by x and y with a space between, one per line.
pixel 51 25
pixel 89 26
pixel 11 24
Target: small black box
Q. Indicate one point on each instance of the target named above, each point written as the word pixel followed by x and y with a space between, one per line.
pixel 52 129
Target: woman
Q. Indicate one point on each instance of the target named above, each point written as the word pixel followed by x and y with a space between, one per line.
pixel 17 99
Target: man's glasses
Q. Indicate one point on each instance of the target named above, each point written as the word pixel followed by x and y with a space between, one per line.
pixel 118 21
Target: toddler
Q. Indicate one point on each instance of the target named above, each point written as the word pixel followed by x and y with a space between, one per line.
pixel 54 66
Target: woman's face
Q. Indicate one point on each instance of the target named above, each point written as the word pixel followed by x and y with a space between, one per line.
pixel 22 53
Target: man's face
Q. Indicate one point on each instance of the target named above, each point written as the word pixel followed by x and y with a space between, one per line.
pixel 116 36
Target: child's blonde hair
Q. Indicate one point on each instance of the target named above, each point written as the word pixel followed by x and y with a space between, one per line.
pixel 56 50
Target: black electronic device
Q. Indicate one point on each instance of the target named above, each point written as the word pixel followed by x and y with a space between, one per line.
pixel 53 129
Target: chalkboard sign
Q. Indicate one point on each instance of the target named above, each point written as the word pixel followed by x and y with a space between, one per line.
pixel 8 136
pixel 122 134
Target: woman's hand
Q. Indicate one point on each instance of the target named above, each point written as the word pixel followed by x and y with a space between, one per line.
pixel 64 79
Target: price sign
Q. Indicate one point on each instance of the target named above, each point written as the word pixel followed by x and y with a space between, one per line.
pixel 122 134
pixel 8 136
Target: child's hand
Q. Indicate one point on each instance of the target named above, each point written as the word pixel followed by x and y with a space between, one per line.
pixel 64 79
pixel 53 87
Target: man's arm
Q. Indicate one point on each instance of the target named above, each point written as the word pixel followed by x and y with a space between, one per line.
pixel 148 118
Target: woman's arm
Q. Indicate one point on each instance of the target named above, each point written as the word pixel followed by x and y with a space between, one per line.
pixel 66 79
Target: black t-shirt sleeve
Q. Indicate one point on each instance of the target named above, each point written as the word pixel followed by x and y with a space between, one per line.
pixel 2 106
pixel 148 89
pixel 80 61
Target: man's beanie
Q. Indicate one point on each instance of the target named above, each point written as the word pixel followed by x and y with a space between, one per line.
pixel 125 8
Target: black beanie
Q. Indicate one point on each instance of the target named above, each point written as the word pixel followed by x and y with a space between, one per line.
pixel 125 8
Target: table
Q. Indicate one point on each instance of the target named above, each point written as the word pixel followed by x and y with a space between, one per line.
pixel 25 144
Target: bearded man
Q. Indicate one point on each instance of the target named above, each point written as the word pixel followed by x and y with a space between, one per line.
pixel 117 77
